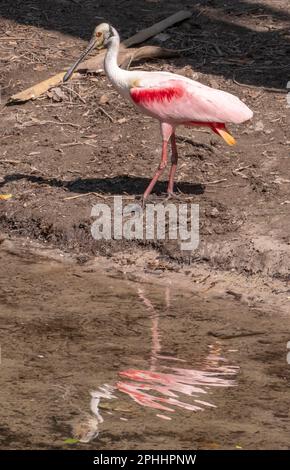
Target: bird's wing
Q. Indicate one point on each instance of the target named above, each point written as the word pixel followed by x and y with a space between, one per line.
pixel 179 100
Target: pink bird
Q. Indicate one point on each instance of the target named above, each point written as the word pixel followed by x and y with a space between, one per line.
pixel 172 99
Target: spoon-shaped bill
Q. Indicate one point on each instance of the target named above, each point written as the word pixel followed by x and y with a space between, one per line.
pixel 82 56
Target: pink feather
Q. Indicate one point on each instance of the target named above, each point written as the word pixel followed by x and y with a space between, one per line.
pixel 179 101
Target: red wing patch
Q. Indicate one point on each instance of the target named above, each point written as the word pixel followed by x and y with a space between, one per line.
pixel 148 95
pixel 215 126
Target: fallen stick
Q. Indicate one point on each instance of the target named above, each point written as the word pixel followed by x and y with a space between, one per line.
pixel 213 182
pixel 126 56
pixel 14 39
pixel 96 64
pixel 157 28
pixel 85 194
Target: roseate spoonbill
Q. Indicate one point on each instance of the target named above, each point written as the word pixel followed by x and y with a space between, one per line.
pixel 172 99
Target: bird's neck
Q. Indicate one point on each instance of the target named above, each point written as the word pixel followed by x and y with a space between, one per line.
pixel 116 75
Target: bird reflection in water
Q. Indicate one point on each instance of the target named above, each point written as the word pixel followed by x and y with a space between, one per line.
pixel 162 387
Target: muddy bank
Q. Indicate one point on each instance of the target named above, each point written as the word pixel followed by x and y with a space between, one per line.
pixel 93 360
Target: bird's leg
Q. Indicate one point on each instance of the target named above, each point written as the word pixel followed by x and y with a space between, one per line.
pixel 160 169
pixel 166 131
pixel 174 160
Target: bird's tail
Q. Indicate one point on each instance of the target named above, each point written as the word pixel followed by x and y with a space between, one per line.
pixel 218 127
pixel 221 130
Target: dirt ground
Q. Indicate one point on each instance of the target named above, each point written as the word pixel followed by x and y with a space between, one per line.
pixel 172 368
pixel 244 216
pixel 82 144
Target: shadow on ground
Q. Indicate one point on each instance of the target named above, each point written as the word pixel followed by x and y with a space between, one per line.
pixel 118 185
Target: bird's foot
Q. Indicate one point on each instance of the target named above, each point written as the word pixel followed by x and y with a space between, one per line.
pixel 164 197
pixel 170 195
pixel 152 199
pixel 140 200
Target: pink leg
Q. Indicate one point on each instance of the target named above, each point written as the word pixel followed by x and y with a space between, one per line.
pixel 174 160
pixel 166 131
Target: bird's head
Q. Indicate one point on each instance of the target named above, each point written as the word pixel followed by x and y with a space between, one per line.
pixel 100 38
pixel 102 34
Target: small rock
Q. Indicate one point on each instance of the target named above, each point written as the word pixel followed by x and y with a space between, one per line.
pixel 162 37
pixel 259 126
pixel 214 212
pixel 104 99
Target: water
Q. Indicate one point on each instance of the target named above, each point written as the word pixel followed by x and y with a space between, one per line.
pixel 93 360
pixel 167 384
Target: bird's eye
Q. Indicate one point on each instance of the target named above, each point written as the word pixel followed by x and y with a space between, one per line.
pixel 99 34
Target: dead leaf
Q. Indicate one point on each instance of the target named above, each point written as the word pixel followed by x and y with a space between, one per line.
pixel 37 90
pixel 122 120
pixel 71 440
pixel 104 99
pixel 5 197
pixel 56 94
